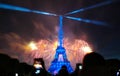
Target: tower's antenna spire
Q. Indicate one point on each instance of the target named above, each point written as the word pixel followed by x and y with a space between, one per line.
pixel 60 33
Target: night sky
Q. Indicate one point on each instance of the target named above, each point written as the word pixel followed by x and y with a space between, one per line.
pixel 22 27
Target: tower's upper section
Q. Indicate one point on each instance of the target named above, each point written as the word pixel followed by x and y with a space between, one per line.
pixel 60 33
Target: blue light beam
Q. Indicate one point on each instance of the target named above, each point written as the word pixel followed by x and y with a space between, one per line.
pixel 91 7
pixel 22 9
pixel 88 21
pixel 45 13
pixel 11 7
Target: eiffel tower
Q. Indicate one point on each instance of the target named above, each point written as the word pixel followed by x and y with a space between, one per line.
pixel 60 58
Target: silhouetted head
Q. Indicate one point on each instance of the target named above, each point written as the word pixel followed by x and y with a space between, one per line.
pixel 64 67
pixel 63 71
pixel 93 59
pixel 4 60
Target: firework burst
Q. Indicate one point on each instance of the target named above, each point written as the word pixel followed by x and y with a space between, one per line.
pixel 46 49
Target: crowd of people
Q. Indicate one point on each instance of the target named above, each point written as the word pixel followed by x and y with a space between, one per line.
pixel 93 65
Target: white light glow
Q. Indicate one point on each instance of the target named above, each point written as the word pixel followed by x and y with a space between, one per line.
pixel 33 46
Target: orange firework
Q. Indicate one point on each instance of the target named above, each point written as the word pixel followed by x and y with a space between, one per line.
pixel 75 50
pixel 46 48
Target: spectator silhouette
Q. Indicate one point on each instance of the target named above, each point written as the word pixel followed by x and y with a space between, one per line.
pixel 5 64
pixel 10 66
pixel 63 71
pixel 24 69
pixel 94 65
pixel 14 65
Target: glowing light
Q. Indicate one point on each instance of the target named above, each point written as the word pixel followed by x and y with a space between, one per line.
pixel 87 49
pixel 41 12
pixel 55 44
pixel 88 21
pixel 33 46
pixel 37 66
pixel 11 7
pixel 37 71
pixel 91 7
pixel 16 74
pixel 17 8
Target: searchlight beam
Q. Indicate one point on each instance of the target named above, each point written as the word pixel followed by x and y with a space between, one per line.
pixel 88 21
pixel 91 7
pixel 22 9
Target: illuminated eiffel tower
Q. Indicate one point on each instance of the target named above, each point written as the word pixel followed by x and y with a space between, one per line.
pixel 60 56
